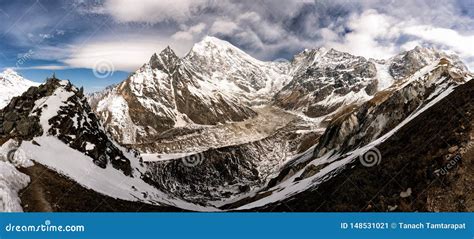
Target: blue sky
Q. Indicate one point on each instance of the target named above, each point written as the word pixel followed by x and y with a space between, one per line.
pixel 95 43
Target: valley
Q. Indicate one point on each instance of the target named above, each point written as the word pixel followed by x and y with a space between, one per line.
pixel 220 130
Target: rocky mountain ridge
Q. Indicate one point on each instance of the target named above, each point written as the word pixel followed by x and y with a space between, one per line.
pixel 219 130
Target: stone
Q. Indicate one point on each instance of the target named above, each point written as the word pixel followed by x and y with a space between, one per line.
pixel 453 149
pixel 406 193
pixel 8 126
pixel 11 116
pixel 25 127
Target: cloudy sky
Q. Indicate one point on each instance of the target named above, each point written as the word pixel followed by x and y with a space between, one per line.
pixel 112 38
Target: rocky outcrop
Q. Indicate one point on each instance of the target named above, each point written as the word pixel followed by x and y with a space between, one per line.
pixel 15 119
pixel 324 80
pixel 386 110
pixel 74 124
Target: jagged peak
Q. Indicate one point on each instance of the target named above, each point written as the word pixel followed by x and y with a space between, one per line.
pixel 168 52
pixel 166 60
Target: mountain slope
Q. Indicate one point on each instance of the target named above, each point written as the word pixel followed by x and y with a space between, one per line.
pixel 168 93
pixel 333 107
pixel 220 129
pixel 11 85
pixel 427 165
pixel 356 130
pixel 64 135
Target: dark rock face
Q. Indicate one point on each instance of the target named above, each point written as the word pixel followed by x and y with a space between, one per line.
pixel 65 195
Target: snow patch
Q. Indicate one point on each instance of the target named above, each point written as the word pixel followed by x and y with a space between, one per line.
pixel 109 181
pixel 11 182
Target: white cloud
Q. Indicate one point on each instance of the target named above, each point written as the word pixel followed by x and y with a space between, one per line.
pixel 43 67
pixel 462 44
pixel 151 11
pixel 371 35
pixel 124 52
pixel 267 30
pixel 223 27
pixel 190 33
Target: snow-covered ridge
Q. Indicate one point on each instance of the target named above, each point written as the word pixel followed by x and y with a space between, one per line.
pixel 11 85
pixel 71 141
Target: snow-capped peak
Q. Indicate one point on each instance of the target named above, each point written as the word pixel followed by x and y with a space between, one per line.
pixel 215 47
pixel 408 62
pixel 12 84
pixel 10 74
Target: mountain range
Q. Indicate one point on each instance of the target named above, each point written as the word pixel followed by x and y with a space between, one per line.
pixel 220 130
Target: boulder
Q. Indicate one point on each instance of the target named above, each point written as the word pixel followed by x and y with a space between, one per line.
pixel 11 116
pixel 8 126
pixel 25 127
pixel 453 149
